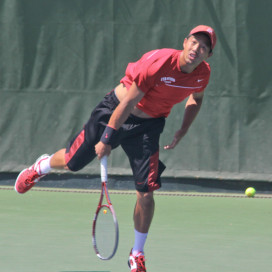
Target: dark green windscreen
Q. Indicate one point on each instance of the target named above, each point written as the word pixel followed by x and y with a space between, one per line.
pixel 59 58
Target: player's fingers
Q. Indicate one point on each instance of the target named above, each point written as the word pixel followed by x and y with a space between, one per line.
pixel 171 146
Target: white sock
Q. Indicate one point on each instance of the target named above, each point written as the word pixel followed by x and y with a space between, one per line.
pixel 139 243
pixel 45 167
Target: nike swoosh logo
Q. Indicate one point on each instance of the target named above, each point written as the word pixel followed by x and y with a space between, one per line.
pixel 199 80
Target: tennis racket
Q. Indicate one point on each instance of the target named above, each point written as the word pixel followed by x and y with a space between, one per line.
pixel 105 225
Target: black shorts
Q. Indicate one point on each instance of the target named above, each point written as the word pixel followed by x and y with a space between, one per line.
pixel 138 137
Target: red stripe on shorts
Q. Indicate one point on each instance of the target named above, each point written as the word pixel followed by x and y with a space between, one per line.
pixel 153 173
pixel 75 146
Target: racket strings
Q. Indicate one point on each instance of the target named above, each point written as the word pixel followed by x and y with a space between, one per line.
pixel 105 232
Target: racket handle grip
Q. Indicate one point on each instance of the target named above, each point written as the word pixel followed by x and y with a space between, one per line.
pixel 103 168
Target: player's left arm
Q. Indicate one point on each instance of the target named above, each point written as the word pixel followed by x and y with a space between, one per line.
pixel 192 108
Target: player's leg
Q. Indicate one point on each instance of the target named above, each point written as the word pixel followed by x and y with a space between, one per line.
pixel 79 152
pixel 57 160
pixel 149 175
pixel 143 153
pixel 143 212
pixel 143 215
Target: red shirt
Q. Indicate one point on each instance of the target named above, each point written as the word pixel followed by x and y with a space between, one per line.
pixel 158 75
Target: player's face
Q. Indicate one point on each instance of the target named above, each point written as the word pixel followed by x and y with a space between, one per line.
pixel 196 48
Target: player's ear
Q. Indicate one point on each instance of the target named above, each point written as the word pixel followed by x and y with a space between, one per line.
pixel 184 42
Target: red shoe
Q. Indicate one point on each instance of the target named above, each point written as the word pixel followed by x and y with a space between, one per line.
pixel 29 176
pixel 137 263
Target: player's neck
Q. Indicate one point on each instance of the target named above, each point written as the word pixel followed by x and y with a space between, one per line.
pixel 187 70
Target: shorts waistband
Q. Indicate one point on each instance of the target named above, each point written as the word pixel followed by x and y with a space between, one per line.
pixel 112 96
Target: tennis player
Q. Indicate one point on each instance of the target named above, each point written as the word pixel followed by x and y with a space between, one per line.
pixel 133 116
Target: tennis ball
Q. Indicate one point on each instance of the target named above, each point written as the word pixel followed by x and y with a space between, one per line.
pixel 104 211
pixel 250 192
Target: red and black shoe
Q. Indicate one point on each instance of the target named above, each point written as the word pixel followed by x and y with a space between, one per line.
pixel 29 176
pixel 137 263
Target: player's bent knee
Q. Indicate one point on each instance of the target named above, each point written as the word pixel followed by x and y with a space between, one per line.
pixel 73 168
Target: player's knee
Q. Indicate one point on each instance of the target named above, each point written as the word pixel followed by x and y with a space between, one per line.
pixel 73 167
pixel 145 198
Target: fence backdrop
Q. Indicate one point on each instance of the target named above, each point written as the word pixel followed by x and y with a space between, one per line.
pixel 58 58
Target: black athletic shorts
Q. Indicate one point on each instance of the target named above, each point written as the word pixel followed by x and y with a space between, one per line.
pixel 139 138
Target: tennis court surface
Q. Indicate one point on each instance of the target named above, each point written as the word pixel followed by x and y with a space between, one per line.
pixel 46 231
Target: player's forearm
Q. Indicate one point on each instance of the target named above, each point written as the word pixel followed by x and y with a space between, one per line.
pixel 117 119
pixel 120 115
pixel 191 111
pixel 123 110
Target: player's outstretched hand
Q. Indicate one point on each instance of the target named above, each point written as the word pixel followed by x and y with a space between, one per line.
pixel 102 150
pixel 178 136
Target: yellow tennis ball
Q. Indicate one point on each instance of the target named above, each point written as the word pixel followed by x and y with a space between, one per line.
pixel 250 192
pixel 104 211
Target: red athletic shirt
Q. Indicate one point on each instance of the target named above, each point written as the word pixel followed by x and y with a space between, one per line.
pixel 158 75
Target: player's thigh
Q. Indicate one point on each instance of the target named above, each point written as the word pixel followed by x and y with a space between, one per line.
pixel 143 154
pixel 78 152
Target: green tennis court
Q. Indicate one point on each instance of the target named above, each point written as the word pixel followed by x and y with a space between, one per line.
pixel 51 232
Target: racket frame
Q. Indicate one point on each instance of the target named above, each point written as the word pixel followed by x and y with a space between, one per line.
pixel 104 192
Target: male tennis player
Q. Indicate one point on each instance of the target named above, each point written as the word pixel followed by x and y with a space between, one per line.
pixel 133 116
